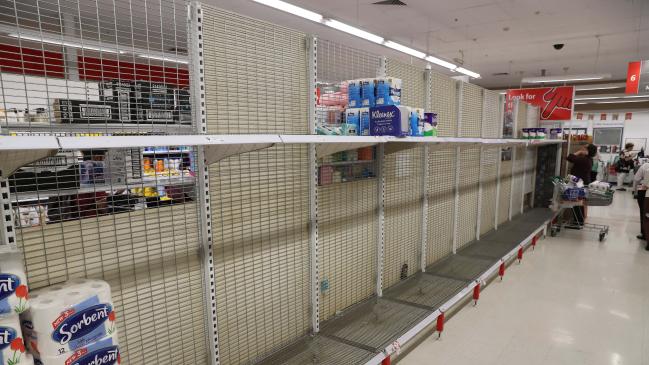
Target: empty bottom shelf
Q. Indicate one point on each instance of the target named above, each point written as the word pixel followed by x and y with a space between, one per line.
pixel 319 350
pixel 427 290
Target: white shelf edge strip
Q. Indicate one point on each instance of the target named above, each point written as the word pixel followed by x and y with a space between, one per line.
pixel 423 324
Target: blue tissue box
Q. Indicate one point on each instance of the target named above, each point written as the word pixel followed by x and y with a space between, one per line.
pixel 389 120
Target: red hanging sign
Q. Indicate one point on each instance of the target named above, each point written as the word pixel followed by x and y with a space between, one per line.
pixel 633 77
pixel 555 103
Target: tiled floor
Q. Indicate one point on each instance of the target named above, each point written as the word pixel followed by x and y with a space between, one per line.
pixel 572 301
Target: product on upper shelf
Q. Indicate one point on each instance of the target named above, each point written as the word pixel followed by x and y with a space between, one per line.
pixel 555 133
pixel 39 116
pixel 430 124
pixel 525 133
pixel 368 92
pixel 390 120
pixel 416 122
pixel 153 103
pixel 364 119
pixel 117 94
pixel 388 91
pixel 63 319
pixel 352 124
pixel 82 111
pixel 541 133
pixel 354 94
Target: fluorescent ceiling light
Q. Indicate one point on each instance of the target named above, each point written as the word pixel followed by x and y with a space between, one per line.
pixel 599 98
pixel 289 8
pixel 353 31
pixel 440 62
pixel 611 96
pixel 166 59
pixel 547 79
pixel 621 101
pixel 618 85
pixel 63 43
pixel 404 49
pixel 468 72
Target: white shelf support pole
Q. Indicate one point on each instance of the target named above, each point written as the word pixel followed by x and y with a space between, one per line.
pixel 524 160
pixel 458 154
pixel 512 183
pixel 380 241
pixel 8 233
pixel 197 73
pixel 479 210
pixel 312 59
pixel 498 171
pixel 423 251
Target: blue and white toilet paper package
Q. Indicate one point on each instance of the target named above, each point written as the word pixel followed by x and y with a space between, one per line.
pixel 103 352
pixel 13 282
pixel 12 347
pixel 65 318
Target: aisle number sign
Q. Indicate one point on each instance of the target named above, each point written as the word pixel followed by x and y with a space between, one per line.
pixel 555 103
pixel 637 78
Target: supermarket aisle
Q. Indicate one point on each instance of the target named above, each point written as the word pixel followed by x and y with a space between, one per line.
pixel 572 301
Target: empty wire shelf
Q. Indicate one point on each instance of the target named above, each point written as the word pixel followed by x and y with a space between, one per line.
pixel 319 350
pixel 426 290
pixel 461 267
pixel 374 324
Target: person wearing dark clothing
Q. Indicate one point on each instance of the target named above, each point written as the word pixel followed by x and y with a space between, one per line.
pixel 582 165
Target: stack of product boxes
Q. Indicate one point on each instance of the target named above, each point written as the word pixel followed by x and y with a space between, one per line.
pixel 374 109
pixel 134 102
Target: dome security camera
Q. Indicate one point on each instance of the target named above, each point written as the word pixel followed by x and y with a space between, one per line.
pixel 558 46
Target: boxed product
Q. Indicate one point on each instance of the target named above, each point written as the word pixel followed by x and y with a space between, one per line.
pixel 354 94
pixel 153 102
pixel 84 111
pixel 389 120
pixel 368 93
pixel 388 91
pixel 352 122
pixel 430 124
pixel 117 93
pixel 51 173
pixel 416 122
pixel 364 129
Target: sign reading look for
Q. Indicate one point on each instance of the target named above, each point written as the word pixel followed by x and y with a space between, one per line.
pixel 555 103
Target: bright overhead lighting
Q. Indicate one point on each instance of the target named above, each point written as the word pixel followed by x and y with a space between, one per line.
pixel 618 85
pixel 289 8
pixel 440 62
pixel 63 43
pixel 548 79
pixel 463 70
pixel 613 96
pixel 599 98
pixel 621 101
pixel 404 49
pixel 353 31
pixel 166 59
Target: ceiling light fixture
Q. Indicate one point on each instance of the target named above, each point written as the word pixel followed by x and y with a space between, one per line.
pixel 404 49
pixel 290 8
pixel 353 31
pixel 549 79
pixel 468 72
pixel 441 62
pixel 620 101
pixel 63 43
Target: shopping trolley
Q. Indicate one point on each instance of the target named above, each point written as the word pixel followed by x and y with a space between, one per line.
pixel 567 197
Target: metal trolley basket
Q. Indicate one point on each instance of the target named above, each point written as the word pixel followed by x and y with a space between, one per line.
pixel 566 198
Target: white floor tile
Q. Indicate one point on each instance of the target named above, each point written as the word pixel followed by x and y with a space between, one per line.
pixel 573 300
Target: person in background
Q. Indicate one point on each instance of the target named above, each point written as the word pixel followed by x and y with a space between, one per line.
pixel 582 165
pixel 595 170
pixel 624 165
pixel 640 186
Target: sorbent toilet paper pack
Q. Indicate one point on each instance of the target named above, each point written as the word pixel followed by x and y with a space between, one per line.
pixel 65 318
pixel 13 282
pixel 103 352
pixel 12 347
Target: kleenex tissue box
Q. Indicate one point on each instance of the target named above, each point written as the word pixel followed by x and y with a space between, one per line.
pixel 389 120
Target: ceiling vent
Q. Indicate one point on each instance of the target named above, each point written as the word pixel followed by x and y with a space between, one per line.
pixel 390 2
pixel 500 74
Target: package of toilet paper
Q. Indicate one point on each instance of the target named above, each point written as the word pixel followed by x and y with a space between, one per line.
pixel 12 347
pixel 388 91
pixel 368 93
pixel 364 129
pixel 13 282
pixel 64 318
pixel 103 352
pixel 354 99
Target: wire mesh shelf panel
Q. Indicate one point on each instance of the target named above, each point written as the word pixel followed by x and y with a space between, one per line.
pixel 413 89
pixel 347 234
pixel 256 82
pixel 94 67
pixel 472 102
pixel 517 193
pixel 532 117
pixel 468 204
pixel 348 199
pixel 338 62
pixel 440 191
pixel 491 124
pixel 488 178
pixel 530 174
pixel 505 188
pixel 403 215
pixel 444 102
pixel 129 217
pixel 521 118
